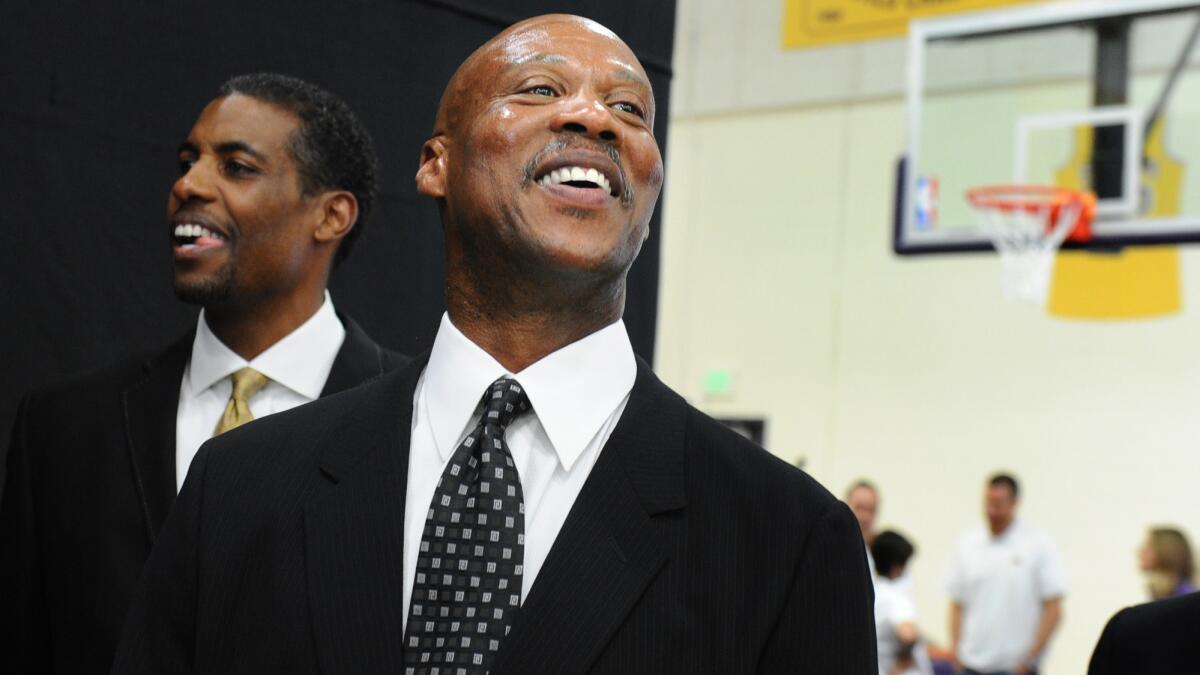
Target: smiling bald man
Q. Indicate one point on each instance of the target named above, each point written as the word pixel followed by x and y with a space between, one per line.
pixel 527 497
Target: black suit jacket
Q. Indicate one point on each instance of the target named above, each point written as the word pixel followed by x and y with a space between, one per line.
pixel 689 550
pixel 91 477
pixel 1158 638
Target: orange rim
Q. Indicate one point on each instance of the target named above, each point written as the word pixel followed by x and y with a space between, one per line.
pixel 1035 198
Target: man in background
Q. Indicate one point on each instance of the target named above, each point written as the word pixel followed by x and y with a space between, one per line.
pixel 1006 583
pixel 277 179
pixel 528 497
pixel 863 500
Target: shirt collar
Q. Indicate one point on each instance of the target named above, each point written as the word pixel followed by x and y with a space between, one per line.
pixel 572 391
pixel 300 361
pixel 1007 535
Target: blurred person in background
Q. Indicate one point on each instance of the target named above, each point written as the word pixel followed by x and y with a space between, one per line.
pixel 1166 560
pixel 900 649
pixel 863 500
pixel 1006 583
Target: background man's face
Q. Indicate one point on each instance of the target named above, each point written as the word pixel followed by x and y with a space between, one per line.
pixel 1000 507
pixel 865 504
pixel 236 214
pixel 556 95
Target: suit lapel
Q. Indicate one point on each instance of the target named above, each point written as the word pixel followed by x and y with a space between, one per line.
pixel 358 360
pixel 150 406
pixel 354 533
pixel 611 545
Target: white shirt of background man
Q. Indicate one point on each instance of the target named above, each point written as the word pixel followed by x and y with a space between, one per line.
pixel 577 393
pixel 1001 583
pixel 297 366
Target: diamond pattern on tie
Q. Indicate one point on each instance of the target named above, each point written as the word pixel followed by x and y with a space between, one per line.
pixel 467 589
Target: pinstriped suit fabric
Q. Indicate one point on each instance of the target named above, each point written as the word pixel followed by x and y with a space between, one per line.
pixel 689 550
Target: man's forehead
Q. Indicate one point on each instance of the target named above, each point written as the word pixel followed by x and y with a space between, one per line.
pixel 550 39
pixel 622 69
pixel 242 115
pixel 550 27
pixel 562 39
pixel 862 491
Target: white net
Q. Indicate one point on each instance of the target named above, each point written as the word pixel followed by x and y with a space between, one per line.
pixel 1027 237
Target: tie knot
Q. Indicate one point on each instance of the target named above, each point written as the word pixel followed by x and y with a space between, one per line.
pixel 247 382
pixel 504 401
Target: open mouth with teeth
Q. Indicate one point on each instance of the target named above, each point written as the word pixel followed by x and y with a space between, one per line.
pixel 189 237
pixel 578 177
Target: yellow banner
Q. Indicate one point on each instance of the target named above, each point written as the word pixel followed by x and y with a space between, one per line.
pixel 807 23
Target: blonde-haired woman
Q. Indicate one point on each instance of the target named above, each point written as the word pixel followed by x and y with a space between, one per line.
pixel 1166 560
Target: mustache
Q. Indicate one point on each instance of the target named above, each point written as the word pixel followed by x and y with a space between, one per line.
pixel 562 143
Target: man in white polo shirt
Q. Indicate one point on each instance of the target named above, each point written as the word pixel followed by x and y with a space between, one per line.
pixel 1006 583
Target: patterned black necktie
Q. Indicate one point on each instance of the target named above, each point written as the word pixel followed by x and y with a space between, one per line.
pixel 468 585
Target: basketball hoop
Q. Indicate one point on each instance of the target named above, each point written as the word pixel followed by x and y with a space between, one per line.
pixel 1027 224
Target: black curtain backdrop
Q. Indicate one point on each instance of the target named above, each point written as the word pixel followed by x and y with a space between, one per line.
pixel 97 96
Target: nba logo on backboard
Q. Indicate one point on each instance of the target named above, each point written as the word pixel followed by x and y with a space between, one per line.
pixel 926 203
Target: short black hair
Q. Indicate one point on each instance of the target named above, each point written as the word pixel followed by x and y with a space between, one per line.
pixel 889 549
pixel 332 149
pixel 1006 480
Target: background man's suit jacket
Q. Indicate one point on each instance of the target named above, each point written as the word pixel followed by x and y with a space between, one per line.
pixel 91 477
pixel 1157 638
pixel 689 550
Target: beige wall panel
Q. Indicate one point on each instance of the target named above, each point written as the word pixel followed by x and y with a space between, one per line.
pixel 772 77
pixel 728 58
pixel 881 71
pixel 673 350
pixel 714 59
pixel 748 261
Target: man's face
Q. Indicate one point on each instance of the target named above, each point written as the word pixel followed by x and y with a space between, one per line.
pixel 865 504
pixel 240 227
pixel 1000 506
pixel 550 157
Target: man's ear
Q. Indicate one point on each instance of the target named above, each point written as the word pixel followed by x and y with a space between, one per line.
pixel 431 174
pixel 339 213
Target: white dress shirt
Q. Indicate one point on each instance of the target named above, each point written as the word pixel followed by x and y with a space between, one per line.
pixel 1001 582
pixel 297 366
pixel 577 393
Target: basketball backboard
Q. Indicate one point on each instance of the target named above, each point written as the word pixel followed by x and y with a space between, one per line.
pixel 1098 95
